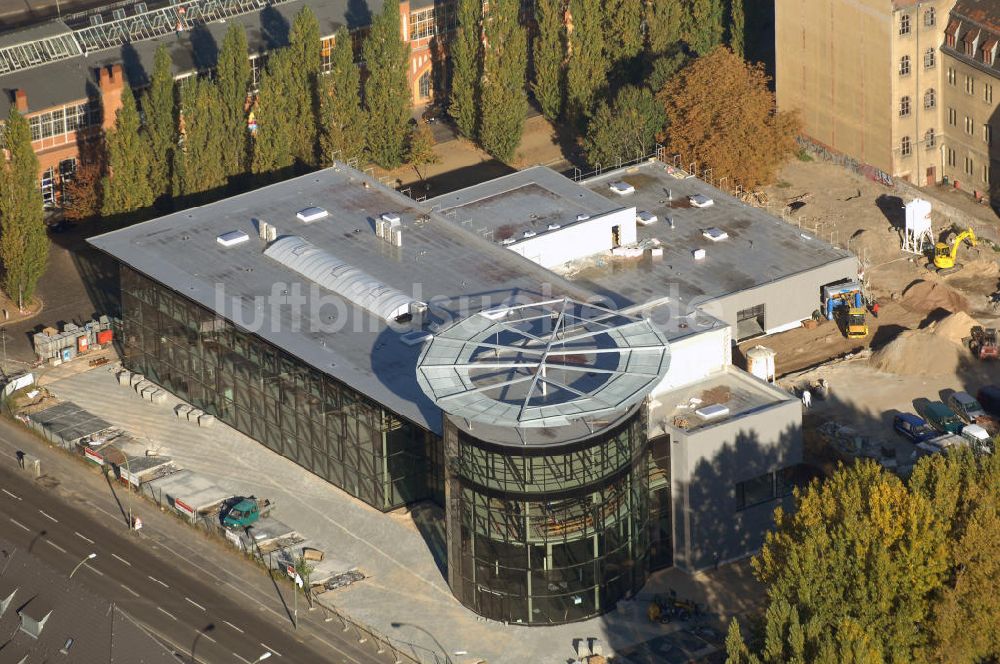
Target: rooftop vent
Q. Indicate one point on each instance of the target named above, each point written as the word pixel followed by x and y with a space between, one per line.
pixel 528 234
pixel 700 201
pixel 232 238
pixel 622 188
pixel 715 234
pixel 311 214
pixel 582 216
pixel 66 646
pixel 33 626
pixel 712 412
pixel 554 227
pixel 507 240
pixel 389 227
pixel 699 254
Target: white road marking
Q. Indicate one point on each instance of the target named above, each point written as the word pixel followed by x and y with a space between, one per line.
pixel 242 659
pixel 209 637
pixel 49 517
pixel 233 626
pixel 271 649
pixel 116 556
pixel 55 546
pixel 195 603
pixel 130 590
pixel 153 578
pixel 20 525
pixel 12 495
pixel 84 537
pixel 162 610
pixel 94 570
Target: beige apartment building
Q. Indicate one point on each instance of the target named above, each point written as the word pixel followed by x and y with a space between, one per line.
pixel 969 62
pixel 865 75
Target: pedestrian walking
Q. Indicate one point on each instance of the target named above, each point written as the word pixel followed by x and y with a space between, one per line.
pixel 806 398
pixel 875 309
pixel 20 459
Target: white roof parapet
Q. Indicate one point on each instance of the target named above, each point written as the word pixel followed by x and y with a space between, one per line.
pixel 544 364
pixel 340 277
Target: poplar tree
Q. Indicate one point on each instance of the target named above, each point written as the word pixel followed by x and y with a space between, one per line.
pixel 387 92
pixel 341 118
pixel 664 24
pixel 548 54
pixel 624 129
pixel 623 27
pixel 200 159
pixel 272 143
pixel 505 62
pixel 705 23
pixel 126 187
pixel 234 78
pixel 737 27
pixel 587 67
pixel 159 108
pixel 304 42
pixel 466 58
pixel 24 248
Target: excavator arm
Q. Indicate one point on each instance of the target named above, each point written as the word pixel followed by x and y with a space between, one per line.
pixel 969 235
pixel 945 254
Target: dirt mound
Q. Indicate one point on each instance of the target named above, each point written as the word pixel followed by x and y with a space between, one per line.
pixel 955 327
pixel 983 268
pixel 918 353
pixel 927 296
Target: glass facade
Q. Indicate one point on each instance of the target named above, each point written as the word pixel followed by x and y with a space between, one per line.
pixel 548 535
pixel 273 397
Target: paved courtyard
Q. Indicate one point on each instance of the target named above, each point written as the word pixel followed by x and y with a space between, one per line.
pixel 404 584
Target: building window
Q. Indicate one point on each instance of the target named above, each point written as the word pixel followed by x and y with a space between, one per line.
pixel 929 58
pixel 929 17
pixel 951 76
pixel 755 491
pixel 968 165
pixel 950 153
pixel 904 65
pixel 904 24
pixel 433 21
pixel 48 187
pixel 424 84
pixel 326 55
pixel 929 98
pixel 970 85
pixel 986 173
pixel 952 117
pixel 904 107
pixel 988 134
pixel 988 93
pixel 969 126
pixel 63 120
pixel 904 146
pixel 929 138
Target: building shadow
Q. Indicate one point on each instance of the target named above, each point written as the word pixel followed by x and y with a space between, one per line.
pixel 358 14
pixel 204 48
pixel 274 28
pixel 135 72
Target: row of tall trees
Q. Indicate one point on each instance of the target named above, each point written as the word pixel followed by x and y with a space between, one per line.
pixel 869 569
pixel 192 136
pixel 489 54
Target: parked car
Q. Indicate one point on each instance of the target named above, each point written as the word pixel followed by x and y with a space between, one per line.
pixel 943 418
pixel 979 438
pixel 913 428
pixel 965 406
pixel 989 398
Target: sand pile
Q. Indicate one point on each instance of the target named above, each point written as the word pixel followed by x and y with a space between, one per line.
pixel 934 350
pixel 927 296
pixel 982 268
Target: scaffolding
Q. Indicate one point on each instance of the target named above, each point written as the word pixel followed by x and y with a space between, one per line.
pixel 38 52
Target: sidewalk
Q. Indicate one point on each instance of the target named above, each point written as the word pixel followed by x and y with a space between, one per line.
pixel 404 586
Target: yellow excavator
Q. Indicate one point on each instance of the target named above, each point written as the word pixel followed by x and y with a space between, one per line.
pixel 945 254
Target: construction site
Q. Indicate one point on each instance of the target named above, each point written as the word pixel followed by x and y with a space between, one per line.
pixel 929 260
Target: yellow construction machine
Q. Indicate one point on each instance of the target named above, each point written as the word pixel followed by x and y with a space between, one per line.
pixel 945 254
pixel 857 325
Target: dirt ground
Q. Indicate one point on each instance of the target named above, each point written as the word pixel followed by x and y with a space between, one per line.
pixel 917 350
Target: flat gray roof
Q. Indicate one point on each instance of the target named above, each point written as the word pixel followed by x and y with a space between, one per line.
pixel 761 248
pixel 453 270
pixel 524 200
pixel 738 392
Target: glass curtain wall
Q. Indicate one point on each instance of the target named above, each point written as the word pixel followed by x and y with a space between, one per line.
pixel 550 535
pixel 285 404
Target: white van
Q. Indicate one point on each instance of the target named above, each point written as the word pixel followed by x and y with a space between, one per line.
pixel 979 439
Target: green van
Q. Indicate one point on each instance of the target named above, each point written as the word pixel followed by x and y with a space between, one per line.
pixel 943 418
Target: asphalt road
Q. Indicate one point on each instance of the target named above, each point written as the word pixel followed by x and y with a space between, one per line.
pixel 199 621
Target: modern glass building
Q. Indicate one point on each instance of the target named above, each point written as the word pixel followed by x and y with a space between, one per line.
pixel 547 479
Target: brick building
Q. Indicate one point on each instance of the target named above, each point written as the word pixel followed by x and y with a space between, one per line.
pixel 66 76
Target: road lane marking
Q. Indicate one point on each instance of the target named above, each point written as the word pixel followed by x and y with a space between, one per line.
pixel 153 578
pixel 20 525
pixel 49 517
pixel 195 603
pixel 12 495
pixel 162 610
pixel 242 659
pixel 209 637
pixel 55 546
pixel 233 626
pixel 94 570
pixel 271 649
pixel 130 590
pixel 116 556
pixel 83 537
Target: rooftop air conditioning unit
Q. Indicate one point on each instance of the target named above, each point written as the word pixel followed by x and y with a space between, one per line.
pixel 712 412
pixel 715 234
pixel 622 188
pixel 700 201
pixel 232 238
pixel 396 236
pixel 699 254
pixel 311 214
